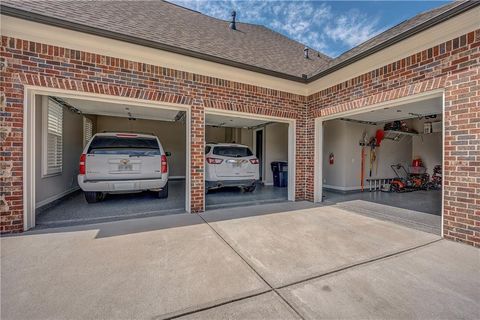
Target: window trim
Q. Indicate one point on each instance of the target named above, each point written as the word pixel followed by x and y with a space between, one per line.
pixel 48 172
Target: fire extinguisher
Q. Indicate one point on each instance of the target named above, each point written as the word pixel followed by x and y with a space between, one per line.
pixel 331 158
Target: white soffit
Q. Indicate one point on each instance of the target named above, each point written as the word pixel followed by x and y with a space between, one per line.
pixel 122 110
pixel 401 112
pixel 232 122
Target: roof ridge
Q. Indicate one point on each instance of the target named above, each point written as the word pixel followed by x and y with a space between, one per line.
pixel 252 24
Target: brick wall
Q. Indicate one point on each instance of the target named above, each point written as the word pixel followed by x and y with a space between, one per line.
pixel 453 66
pixel 30 63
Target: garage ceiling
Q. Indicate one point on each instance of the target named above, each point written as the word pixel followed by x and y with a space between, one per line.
pixel 122 110
pixel 402 112
pixel 232 122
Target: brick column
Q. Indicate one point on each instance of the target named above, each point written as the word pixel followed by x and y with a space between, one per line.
pixel 197 193
pixel 461 219
pixel 11 150
pixel 302 155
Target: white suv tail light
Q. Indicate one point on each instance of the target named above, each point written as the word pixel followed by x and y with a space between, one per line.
pixel 254 161
pixel 214 160
pixel 83 164
pixel 164 164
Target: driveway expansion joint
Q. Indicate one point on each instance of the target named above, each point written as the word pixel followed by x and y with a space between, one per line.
pixel 275 289
pixel 255 271
pixel 361 263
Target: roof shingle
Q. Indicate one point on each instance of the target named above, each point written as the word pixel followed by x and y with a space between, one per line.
pixel 251 46
pixel 162 22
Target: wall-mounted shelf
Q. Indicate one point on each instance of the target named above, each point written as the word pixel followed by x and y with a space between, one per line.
pixel 398 135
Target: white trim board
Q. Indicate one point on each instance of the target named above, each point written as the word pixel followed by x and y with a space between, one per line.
pixel 29 160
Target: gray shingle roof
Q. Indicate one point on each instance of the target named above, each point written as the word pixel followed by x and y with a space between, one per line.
pixel 166 23
pixel 167 26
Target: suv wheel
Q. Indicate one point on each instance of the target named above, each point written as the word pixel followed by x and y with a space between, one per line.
pixel 162 194
pixel 93 197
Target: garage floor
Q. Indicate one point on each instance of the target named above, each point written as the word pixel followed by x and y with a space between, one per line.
pixel 277 261
pixel 229 197
pixel 74 209
pixel 420 210
pixel 423 201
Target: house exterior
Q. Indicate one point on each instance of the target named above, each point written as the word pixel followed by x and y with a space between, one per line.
pixel 200 63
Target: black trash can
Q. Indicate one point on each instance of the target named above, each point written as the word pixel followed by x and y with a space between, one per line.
pixel 280 173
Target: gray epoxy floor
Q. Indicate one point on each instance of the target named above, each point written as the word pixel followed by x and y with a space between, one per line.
pixel 420 210
pixel 422 201
pixel 226 197
pixel 74 209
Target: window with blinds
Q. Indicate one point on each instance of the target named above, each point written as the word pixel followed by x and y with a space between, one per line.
pixel 87 130
pixel 53 138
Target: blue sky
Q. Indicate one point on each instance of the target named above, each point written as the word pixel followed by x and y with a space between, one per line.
pixel 332 27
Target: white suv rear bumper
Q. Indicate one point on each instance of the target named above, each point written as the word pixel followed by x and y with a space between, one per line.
pixel 121 185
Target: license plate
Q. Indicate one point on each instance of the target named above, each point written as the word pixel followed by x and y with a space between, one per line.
pixel 125 167
pixel 123 186
pixel 235 163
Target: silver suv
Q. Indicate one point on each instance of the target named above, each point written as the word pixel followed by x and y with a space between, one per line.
pixel 122 163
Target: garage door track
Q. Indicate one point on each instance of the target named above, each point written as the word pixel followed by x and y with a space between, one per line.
pixel 277 261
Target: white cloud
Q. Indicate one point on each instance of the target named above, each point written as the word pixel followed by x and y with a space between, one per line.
pixel 311 23
pixel 352 28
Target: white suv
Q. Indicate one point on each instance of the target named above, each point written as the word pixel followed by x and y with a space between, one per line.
pixel 230 165
pixel 122 163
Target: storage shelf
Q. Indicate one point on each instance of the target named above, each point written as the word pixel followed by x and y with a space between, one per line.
pixel 402 132
pixel 398 135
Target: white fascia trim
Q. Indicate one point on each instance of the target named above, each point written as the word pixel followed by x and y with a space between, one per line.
pixel 452 28
pixel 42 33
pixel 55 197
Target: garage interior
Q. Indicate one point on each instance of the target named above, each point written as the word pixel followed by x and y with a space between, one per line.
pixel 58 199
pixel 268 141
pixel 405 137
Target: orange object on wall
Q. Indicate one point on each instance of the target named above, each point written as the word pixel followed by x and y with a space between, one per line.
pixel 417 162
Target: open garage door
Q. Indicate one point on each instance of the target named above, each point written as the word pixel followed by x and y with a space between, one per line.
pixel 247 160
pixel 387 162
pixel 99 161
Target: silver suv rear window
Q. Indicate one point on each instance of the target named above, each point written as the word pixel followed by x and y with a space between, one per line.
pixel 234 152
pixel 134 146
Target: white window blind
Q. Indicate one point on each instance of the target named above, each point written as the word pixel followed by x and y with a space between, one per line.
pixel 53 138
pixel 87 130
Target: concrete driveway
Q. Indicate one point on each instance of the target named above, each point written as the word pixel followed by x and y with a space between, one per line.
pixel 277 261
